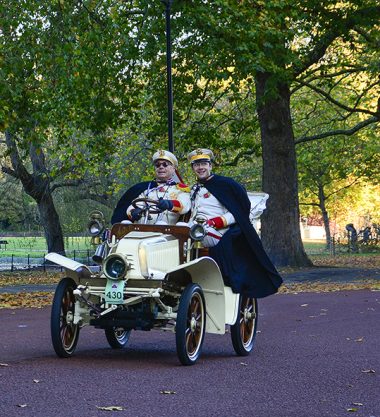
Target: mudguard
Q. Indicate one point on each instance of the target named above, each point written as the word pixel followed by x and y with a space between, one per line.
pixel 205 272
pixel 74 269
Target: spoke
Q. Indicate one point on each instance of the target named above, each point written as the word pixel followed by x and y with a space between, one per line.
pixel 242 329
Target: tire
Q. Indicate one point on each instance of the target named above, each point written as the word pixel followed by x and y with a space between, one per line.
pixel 117 337
pixel 190 324
pixel 243 332
pixel 64 334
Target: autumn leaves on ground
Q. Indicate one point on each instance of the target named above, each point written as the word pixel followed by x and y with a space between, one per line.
pixel 42 298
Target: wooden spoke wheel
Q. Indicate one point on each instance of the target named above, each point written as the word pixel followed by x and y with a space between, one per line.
pixel 191 324
pixel 243 332
pixel 64 333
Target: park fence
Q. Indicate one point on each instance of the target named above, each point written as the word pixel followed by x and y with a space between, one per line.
pixel 36 260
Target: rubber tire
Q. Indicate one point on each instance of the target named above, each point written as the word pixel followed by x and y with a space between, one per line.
pixel 191 301
pixel 243 347
pixel 63 302
pixel 117 341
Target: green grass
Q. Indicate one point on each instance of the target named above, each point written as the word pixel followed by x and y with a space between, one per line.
pixel 24 246
pixel 36 246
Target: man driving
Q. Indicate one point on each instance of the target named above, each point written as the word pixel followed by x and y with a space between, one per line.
pixel 223 206
pixel 168 197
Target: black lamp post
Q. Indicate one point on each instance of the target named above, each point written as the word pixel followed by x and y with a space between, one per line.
pixel 168 4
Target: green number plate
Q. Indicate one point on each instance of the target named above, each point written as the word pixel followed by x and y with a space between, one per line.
pixel 114 292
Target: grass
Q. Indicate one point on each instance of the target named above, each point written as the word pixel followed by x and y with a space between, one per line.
pixel 36 246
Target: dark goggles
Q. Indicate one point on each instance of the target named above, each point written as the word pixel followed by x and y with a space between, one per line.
pixel 164 164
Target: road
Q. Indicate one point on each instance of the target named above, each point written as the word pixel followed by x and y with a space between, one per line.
pixel 316 355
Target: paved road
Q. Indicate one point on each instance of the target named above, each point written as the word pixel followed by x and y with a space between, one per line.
pixel 317 354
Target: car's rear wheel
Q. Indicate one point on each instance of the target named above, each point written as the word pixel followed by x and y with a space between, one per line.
pixel 117 337
pixel 64 333
pixel 243 332
pixel 190 324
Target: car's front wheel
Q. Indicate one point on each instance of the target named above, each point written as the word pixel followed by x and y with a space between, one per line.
pixel 117 337
pixel 243 332
pixel 190 324
pixel 64 333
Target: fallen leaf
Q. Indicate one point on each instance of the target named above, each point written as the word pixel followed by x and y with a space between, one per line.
pixel 167 392
pixel 111 408
pixel 368 371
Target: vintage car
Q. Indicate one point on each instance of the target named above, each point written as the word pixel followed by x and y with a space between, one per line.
pixel 151 277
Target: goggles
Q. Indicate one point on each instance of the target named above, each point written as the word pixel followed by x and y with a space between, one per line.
pixel 164 164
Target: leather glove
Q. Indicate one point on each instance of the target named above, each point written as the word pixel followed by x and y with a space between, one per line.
pixel 164 204
pixel 136 214
pixel 216 222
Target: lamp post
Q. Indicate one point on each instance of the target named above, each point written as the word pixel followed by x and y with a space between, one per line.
pixel 168 4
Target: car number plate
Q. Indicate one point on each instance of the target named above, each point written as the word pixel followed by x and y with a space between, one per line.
pixel 114 292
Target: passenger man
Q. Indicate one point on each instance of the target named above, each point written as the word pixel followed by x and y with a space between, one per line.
pixel 173 197
pixel 232 240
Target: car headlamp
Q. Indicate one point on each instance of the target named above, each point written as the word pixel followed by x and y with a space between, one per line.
pixel 96 223
pixel 95 228
pixel 115 267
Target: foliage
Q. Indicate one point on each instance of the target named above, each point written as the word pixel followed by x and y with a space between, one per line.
pixel 85 83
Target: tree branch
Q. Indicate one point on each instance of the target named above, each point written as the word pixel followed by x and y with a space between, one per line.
pixel 68 183
pixel 336 102
pixel 347 132
pixel 19 169
pixel 338 28
pixel 9 171
pixel 239 156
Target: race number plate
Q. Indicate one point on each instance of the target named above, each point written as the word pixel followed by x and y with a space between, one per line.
pixel 114 292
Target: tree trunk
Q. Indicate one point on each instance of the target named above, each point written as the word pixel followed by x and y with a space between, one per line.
pixel 37 185
pixel 281 233
pixel 52 227
pixel 325 215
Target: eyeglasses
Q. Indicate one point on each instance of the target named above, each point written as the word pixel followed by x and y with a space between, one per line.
pixel 163 164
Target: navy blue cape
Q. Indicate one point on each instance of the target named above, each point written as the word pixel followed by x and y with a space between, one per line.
pixel 244 264
pixel 120 212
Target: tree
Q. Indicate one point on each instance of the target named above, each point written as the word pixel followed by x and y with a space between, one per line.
pixel 58 85
pixel 326 170
pixel 282 45
pixel 106 65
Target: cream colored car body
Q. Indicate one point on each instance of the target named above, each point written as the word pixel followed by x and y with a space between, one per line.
pixel 161 261
pixel 154 260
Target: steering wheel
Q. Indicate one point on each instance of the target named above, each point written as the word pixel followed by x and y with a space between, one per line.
pixel 148 204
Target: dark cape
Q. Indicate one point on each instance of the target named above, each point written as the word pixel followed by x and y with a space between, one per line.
pixel 120 212
pixel 244 264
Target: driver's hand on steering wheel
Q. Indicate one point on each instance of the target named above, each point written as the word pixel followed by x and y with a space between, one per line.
pixel 164 204
pixel 136 214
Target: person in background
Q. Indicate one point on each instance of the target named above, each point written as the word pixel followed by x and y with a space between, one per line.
pixel 233 243
pixel 172 196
